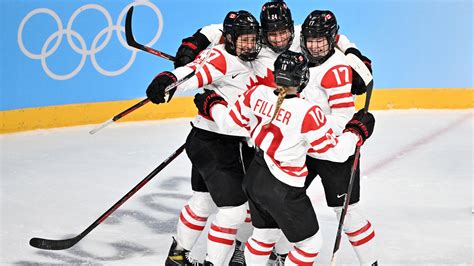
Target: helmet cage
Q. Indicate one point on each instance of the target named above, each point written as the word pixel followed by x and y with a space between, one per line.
pixel 276 16
pixel 237 24
pixel 319 24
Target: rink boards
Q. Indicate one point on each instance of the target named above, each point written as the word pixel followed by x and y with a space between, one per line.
pixel 96 113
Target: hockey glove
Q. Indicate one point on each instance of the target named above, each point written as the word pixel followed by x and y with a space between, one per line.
pixel 190 48
pixel 361 124
pixel 205 101
pixel 156 90
pixel 358 85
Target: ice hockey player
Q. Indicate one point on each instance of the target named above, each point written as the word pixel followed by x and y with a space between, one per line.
pixel 217 167
pixel 278 34
pixel 330 88
pixel 284 127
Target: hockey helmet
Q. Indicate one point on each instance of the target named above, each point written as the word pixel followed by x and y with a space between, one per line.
pixel 276 16
pixel 237 24
pixel 291 70
pixel 320 23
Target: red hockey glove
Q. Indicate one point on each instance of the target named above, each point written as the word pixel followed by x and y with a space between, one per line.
pixel 204 102
pixel 361 124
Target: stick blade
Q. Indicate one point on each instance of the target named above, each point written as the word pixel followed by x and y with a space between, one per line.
pixel 50 244
pixel 360 68
pixel 128 29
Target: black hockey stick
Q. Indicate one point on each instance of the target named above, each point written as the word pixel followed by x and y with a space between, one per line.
pixel 51 244
pixel 146 100
pixel 131 40
pixel 367 77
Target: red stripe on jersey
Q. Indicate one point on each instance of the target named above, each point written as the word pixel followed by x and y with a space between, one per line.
pixel 189 224
pixel 263 244
pixel 236 120
pixel 319 141
pixel 297 261
pixel 248 220
pixel 306 254
pixel 257 252
pixel 342 105
pixel 200 81
pixel 220 240
pixel 340 96
pixel 324 149
pixel 363 240
pixel 231 231
pixel 218 61
pixel 237 105
pixel 360 231
pixel 193 215
pixel 337 38
pixel 208 74
pixel 290 170
pixel 247 94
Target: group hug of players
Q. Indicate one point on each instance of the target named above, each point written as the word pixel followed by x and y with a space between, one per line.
pixel 277 110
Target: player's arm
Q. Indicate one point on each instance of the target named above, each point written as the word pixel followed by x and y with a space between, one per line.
pixel 191 47
pixel 228 117
pixel 337 82
pixel 212 70
pixel 323 142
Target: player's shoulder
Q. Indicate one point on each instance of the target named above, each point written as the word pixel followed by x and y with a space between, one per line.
pixel 219 58
pixel 338 58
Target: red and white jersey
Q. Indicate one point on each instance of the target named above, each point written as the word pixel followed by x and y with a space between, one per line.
pixel 263 65
pixel 298 127
pixel 222 72
pixel 329 87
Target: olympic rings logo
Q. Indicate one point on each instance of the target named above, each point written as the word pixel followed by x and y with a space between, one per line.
pixel 83 50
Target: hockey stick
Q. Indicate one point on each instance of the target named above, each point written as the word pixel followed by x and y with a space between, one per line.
pixel 51 244
pixel 131 40
pixel 364 72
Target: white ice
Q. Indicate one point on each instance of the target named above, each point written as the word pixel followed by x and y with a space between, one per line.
pixel 416 188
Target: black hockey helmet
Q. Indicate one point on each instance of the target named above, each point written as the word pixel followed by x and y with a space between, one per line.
pixel 276 16
pixel 320 23
pixel 237 24
pixel 291 70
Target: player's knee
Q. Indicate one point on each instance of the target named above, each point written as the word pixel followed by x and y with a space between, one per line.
pixel 355 218
pixel 306 250
pixel 201 204
pixel 231 216
pixel 270 236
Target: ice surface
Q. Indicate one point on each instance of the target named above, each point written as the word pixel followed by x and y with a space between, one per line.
pixel 416 188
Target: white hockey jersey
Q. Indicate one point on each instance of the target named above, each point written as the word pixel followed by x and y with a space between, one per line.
pixel 329 87
pixel 263 65
pixel 298 127
pixel 227 74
